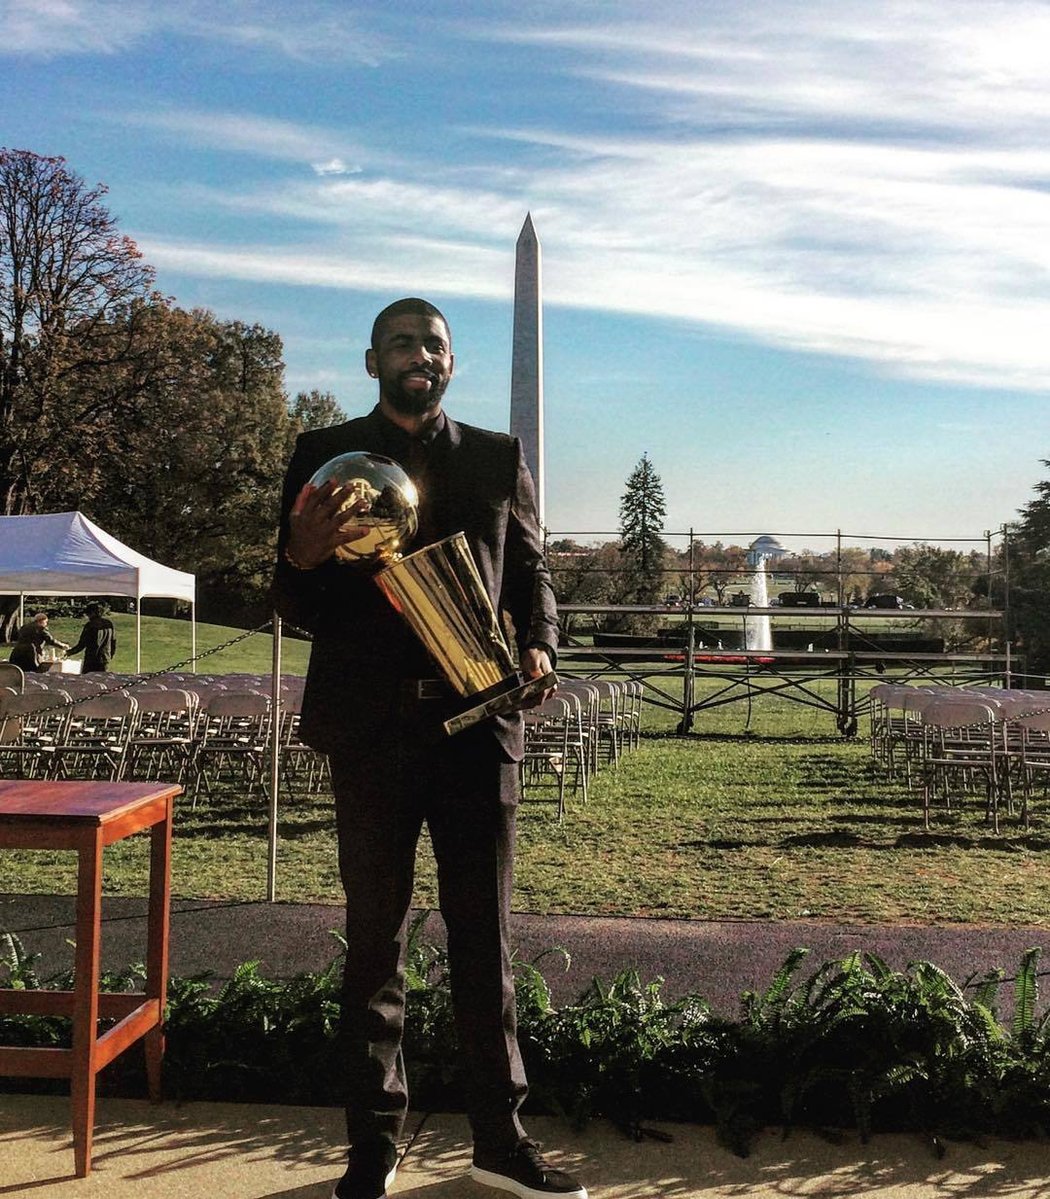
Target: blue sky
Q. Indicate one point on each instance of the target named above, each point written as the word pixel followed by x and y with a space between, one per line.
pixel 798 253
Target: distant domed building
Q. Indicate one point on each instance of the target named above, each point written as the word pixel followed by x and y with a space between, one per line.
pixel 764 547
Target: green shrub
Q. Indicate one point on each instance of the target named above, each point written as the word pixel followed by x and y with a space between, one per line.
pixel 854 1044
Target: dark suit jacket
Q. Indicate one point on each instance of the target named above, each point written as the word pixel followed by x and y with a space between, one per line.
pixel 363 651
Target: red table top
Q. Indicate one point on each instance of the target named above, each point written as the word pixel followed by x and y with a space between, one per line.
pixel 76 801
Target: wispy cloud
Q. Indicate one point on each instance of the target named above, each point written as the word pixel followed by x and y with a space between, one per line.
pixel 305 30
pixel 52 28
pixel 930 262
pixel 308 31
pixel 325 150
pixel 448 269
pixel 334 166
pixel 914 61
pixel 874 185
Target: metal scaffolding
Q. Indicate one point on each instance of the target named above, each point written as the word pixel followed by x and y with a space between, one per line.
pixel 824 673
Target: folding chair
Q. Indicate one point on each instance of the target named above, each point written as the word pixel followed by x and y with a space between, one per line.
pixel 609 727
pixel 586 692
pixel 300 763
pixel 1034 730
pixel 961 742
pixel 547 755
pixel 234 742
pixel 162 744
pixel 96 737
pixel 12 676
pixel 32 726
pixel 634 693
pixel 909 737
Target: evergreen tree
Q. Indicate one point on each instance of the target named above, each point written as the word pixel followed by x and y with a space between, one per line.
pixel 642 549
pixel 1028 542
pixel 642 511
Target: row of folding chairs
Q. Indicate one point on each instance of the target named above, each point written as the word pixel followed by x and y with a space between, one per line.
pixel 950 744
pixel 587 724
pixel 199 738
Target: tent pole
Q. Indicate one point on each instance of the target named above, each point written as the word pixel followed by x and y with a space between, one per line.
pixel 275 759
pixel 193 632
pixel 138 634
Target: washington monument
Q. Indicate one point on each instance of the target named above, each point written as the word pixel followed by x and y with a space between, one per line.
pixel 526 378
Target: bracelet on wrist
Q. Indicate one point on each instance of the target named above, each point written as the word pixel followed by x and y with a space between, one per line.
pixel 292 560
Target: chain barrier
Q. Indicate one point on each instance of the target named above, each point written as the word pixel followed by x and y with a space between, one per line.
pixel 72 702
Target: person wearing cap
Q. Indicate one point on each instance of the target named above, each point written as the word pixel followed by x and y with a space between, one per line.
pixel 98 640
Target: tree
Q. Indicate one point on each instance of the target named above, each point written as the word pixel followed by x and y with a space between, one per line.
pixel 721 567
pixel 642 549
pixel 853 572
pixel 74 297
pixel 1028 549
pixel 809 571
pixel 315 410
pixel 642 511
pixel 202 457
pixel 584 575
pixel 931 577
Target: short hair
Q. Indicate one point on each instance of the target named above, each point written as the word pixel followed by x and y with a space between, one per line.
pixel 94 609
pixel 410 305
pixel 38 616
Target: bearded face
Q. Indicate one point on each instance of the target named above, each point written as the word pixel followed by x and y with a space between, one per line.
pixel 413 363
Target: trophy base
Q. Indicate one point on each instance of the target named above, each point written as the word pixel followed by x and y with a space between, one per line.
pixel 505 696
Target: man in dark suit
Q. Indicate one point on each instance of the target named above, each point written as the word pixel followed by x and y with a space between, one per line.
pixel 373 704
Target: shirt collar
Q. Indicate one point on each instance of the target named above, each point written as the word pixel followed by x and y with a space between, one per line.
pixel 397 436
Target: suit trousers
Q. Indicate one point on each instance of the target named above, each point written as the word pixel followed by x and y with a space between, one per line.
pixel 467 792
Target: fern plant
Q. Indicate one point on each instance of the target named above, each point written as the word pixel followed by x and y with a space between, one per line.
pixel 851 1042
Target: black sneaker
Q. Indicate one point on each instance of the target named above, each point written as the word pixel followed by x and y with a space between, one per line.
pixel 370 1172
pixel 523 1172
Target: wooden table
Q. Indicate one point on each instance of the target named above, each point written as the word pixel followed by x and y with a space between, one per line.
pixel 88 816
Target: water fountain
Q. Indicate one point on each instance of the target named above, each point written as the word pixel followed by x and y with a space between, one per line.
pixel 758 634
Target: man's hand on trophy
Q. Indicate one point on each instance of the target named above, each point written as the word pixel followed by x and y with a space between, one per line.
pixel 535 663
pixel 320 521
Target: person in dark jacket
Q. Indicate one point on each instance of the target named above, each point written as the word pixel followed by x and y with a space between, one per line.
pixel 28 650
pixel 98 640
pixel 373 705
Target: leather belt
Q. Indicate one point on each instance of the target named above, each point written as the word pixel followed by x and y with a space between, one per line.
pixel 424 689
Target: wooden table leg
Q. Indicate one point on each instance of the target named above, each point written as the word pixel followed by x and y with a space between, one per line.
pixel 85 1002
pixel 157 931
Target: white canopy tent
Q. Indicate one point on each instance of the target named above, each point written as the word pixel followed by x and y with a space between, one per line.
pixel 64 553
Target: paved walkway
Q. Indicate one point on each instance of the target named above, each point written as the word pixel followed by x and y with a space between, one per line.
pixel 203 1150
pixel 718 959
pixel 225 1151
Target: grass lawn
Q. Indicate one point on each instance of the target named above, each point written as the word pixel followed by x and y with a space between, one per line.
pixel 167 642
pixel 760 814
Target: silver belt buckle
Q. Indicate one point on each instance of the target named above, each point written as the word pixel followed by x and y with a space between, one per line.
pixel 429 689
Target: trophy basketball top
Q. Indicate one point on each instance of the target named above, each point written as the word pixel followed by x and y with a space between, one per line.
pixel 378 496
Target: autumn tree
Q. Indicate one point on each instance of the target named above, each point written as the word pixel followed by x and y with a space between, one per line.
pixel 74 296
pixel 584 575
pixel 930 576
pixel 203 452
pixel 720 567
pixel 315 410
pixel 852 577
pixel 809 571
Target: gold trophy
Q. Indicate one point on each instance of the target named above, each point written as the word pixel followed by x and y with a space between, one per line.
pixel 438 589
